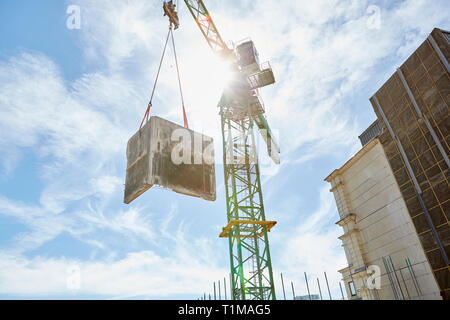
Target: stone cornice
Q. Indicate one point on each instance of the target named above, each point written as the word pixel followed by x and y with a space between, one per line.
pixel 351 217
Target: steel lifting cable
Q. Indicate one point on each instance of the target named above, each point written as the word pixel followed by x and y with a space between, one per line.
pixel 179 81
pixel 156 81
pixel 147 112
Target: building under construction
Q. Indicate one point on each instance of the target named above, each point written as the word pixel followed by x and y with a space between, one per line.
pixel 393 196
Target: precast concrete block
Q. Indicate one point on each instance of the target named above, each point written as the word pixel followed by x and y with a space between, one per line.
pixel 168 155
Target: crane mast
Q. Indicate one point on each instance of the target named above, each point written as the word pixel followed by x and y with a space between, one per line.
pixel 241 111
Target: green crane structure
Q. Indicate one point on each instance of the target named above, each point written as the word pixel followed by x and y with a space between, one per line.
pixel 242 111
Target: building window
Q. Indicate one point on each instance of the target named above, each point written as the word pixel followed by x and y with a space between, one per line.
pixel 351 285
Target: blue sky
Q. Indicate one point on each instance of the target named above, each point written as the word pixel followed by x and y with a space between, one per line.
pixel 70 99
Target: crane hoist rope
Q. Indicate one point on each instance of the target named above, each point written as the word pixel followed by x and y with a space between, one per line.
pixel 147 112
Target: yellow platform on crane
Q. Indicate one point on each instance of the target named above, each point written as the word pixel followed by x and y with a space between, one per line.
pixel 226 230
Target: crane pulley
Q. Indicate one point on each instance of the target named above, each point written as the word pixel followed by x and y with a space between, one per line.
pixel 170 11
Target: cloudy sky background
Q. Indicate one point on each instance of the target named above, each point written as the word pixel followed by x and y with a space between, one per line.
pixel 70 100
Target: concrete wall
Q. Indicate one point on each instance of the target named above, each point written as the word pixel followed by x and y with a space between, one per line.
pixel 376 224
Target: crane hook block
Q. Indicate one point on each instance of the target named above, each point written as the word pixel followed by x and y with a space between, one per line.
pixel 169 10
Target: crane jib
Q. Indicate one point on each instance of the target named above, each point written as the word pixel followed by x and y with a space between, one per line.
pixel 207 27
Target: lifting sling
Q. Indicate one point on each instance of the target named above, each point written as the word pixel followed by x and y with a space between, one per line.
pixel 147 112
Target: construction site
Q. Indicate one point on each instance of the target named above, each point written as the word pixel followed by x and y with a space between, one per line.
pixel 151 152
pixel 409 143
pixel 353 197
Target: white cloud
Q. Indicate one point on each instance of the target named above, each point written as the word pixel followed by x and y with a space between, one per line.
pixel 322 54
pixel 43 225
pixel 313 247
pixel 140 274
pixel 143 274
pixel 106 185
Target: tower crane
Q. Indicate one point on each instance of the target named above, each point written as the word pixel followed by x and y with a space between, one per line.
pixel 241 111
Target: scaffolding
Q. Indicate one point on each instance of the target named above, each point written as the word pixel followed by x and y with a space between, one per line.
pixel 402 293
